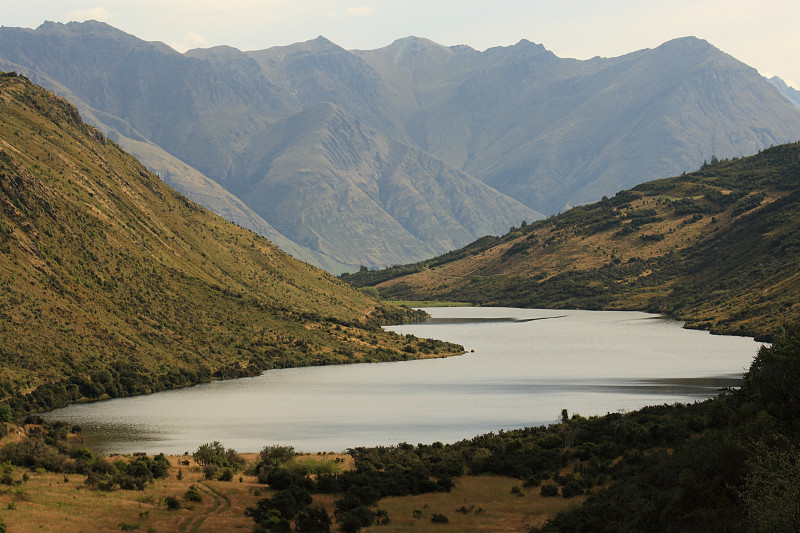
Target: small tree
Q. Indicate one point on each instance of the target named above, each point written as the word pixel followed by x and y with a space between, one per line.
pixel 313 520
pixel 216 454
pixel 193 494
pixel 208 454
pixel 548 491
pixel 172 503
pixel 5 412
pixel 437 518
pixel 276 455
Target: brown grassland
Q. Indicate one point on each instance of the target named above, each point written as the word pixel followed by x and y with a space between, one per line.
pixel 476 503
pixel 47 501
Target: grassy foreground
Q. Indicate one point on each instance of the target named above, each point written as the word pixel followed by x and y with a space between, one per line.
pixel 476 504
pixel 57 502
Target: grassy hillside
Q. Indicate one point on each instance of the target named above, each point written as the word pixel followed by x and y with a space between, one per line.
pixel 114 284
pixel 719 248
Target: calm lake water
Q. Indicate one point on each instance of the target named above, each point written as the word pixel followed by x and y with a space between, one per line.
pixel 527 365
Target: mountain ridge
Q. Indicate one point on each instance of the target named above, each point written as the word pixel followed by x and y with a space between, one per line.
pixel 786 90
pixel 330 158
pixel 546 131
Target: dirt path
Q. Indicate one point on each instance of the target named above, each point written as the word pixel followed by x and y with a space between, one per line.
pixel 221 504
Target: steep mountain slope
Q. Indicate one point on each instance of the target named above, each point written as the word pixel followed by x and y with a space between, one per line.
pixel 130 113
pixel 546 131
pixel 114 284
pixel 333 184
pixel 554 132
pixel 198 105
pixel 213 196
pixel 792 94
pixel 719 248
pixel 319 71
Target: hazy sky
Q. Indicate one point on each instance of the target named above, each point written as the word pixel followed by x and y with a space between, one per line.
pixel 763 34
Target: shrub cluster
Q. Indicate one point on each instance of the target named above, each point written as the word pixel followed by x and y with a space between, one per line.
pixel 217 461
pixel 127 475
pixel 46 447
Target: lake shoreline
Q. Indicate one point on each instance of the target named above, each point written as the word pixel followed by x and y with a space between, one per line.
pixel 505 380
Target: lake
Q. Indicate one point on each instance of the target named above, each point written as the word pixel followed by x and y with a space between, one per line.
pixel 522 368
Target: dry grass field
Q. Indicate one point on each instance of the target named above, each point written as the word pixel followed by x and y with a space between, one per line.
pixel 51 502
pixel 63 503
pixel 476 504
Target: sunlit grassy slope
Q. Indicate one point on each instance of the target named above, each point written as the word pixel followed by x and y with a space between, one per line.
pixel 111 283
pixel 719 248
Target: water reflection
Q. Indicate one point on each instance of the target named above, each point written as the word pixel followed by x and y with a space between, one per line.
pixel 527 365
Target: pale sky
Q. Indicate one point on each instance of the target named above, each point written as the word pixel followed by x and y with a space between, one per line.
pixel 763 34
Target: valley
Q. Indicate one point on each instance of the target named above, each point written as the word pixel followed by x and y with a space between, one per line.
pixel 431 173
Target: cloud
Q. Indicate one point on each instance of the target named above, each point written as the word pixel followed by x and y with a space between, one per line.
pixel 93 13
pixel 362 11
pixel 190 41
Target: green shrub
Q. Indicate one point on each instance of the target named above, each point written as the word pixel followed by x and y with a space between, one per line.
pixel 313 520
pixel 571 489
pixel 437 518
pixel 210 471
pixel 549 491
pixel 5 412
pixel 172 503
pixel 216 454
pixel 193 494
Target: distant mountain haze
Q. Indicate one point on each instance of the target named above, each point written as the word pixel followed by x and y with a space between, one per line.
pixel 336 185
pixel 792 94
pixel 393 155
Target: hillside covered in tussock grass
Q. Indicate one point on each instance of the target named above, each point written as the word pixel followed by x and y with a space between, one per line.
pixel 112 284
pixel 719 248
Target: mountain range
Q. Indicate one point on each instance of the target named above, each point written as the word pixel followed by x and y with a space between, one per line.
pixel 792 94
pixel 717 248
pixel 378 157
pixel 115 284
